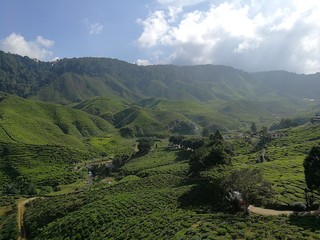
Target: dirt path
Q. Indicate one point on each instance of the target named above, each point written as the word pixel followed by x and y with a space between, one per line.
pixel 21 207
pixel 270 212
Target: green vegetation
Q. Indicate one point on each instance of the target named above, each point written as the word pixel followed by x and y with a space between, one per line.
pixel 216 97
pixel 105 165
pixel 30 122
pixel 250 185
pixel 312 168
pixel 155 201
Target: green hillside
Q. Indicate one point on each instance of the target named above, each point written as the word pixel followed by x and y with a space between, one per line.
pixel 137 121
pixel 155 200
pixel 41 142
pixel 102 106
pixel 212 96
pixel 29 122
pixel 74 134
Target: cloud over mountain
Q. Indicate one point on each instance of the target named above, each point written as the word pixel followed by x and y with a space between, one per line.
pixel 252 35
pixel 16 43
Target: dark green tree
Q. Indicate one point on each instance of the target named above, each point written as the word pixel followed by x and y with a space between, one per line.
pixel 264 138
pixel 311 166
pixel 253 127
pixel 144 145
pixel 216 137
pixel 217 154
pixel 250 184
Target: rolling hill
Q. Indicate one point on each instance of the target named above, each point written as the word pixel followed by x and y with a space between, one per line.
pixel 154 199
pixel 40 141
pixel 59 120
pixel 205 90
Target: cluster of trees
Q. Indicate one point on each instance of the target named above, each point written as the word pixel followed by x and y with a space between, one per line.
pixel 145 145
pixel 187 142
pixel 211 153
pixel 182 127
pixel 245 187
pixel 240 188
pixel 20 186
pixel 284 123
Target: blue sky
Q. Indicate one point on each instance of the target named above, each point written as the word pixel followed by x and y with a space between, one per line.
pixel 247 34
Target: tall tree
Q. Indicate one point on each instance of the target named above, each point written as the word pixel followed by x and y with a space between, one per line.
pixel 253 127
pixel 311 166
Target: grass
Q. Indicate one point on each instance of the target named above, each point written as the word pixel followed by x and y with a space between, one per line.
pixel 69 188
pixel 112 145
pixel 158 157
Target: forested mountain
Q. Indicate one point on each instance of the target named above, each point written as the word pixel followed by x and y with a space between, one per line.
pixel 70 80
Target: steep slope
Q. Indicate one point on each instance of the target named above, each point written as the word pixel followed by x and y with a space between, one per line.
pixel 102 106
pixel 31 122
pixel 137 121
pixel 41 142
pixel 79 78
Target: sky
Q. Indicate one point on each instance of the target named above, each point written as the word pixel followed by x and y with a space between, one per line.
pixel 252 35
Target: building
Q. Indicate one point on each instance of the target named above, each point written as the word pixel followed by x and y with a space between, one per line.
pixel 316 118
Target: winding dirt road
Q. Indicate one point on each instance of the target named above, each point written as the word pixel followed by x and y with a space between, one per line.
pixel 21 207
pixel 270 212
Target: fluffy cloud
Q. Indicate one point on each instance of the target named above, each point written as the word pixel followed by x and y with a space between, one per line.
pixel 251 35
pixel 15 43
pixel 142 62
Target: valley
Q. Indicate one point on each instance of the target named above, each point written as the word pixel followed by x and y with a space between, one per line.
pixel 110 150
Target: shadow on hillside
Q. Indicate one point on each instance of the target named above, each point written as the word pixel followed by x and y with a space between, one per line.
pixel 311 223
pixel 202 197
pixel 182 155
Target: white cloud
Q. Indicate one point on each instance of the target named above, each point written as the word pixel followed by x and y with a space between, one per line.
pixel 182 3
pixel 251 35
pixel 15 43
pixel 93 28
pixel 155 27
pixel 45 42
pixel 142 62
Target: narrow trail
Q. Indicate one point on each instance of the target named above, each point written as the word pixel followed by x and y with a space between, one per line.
pixel 21 208
pixel 270 212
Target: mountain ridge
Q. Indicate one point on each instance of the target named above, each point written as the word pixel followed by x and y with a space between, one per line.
pixel 74 79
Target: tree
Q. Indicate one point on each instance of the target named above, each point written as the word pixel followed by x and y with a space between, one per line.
pixel 182 127
pixel 311 166
pixel 249 184
pixel 205 132
pixel 264 138
pixel 217 155
pixel 144 145
pixel 253 127
pixel 216 137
